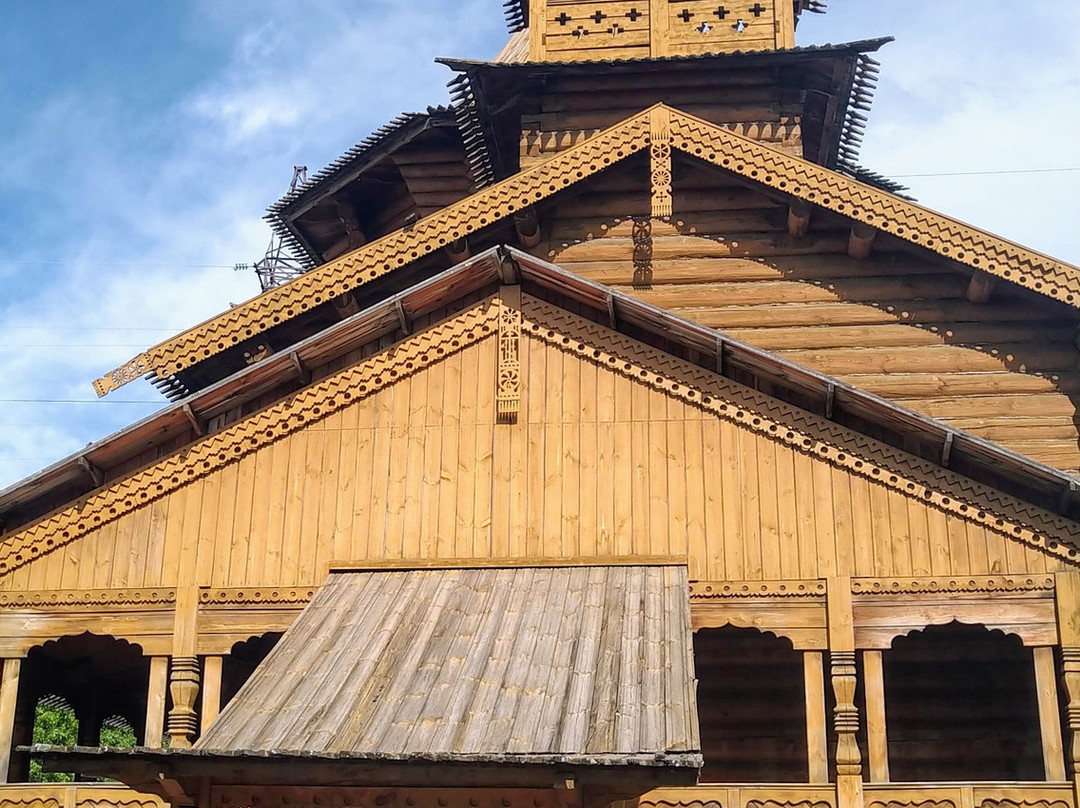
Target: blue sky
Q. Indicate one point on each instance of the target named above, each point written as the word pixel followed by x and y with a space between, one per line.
pixel 141 142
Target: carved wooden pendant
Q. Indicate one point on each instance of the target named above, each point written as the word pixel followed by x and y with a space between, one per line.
pixel 508 375
pixel 660 155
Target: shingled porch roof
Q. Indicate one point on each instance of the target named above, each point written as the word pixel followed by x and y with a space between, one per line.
pixel 548 673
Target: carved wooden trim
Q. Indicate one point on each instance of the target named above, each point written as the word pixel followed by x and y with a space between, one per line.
pixel 74 795
pixel 256 596
pixel 708 590
pixel 879 209
pixel 508 372
pixel 660 161
pixel 969 584
pixel 391 252
pixel 62 599
pixel 253 433
pixel 804 431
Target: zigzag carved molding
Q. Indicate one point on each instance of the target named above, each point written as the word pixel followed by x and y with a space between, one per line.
pixel 391 252
pixel 261 429
pixel 887 212
pixel 725 148
pixel 806 433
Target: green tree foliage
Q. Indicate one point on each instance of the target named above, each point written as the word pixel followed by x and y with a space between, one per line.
pixel 59 727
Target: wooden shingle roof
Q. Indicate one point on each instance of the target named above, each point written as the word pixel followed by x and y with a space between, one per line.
pixel 586 665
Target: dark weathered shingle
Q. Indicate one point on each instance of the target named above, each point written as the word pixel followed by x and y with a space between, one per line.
pixel 589 663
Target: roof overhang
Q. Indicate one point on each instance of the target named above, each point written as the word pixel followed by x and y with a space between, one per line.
pixel 935 442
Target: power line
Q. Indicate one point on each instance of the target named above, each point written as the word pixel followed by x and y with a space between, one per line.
pixel 986 173
pixel 135 264
pixel 87 328
pixel 76 401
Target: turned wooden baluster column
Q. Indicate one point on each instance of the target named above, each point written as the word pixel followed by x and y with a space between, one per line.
pixel 849 786
pixel 1067 592
pixel 183 723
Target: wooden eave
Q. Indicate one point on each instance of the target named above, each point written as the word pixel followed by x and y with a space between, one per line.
pixel 492 96
pixel 177 774
pixel 939 448
pixel 285 215
pixel 753 161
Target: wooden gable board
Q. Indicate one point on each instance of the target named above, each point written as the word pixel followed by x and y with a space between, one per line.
pixel 618 449
pixel 740 155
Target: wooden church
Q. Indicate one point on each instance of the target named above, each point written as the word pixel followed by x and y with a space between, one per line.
pixel 624 443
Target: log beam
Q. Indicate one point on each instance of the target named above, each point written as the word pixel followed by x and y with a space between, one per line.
pixel 799 215
pixel 981 288
pixel 458 250
pixel 345 306
pixel 527 225
pixel 861 241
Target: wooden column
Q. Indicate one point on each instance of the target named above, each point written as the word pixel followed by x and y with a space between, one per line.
pixel 1067 593
pixel 9 695
pixel 816 729
pixel 876 738
pixel 155 702
pixel 184 689
pixel 211 697
pixel 1049 714
pixel 183 723
pixel 849 786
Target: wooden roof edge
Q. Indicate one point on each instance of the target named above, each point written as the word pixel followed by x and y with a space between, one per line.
pixel 248 382
pixel 990 456
pixel 407 565
pixel 384 255
pixel 919 226
pixel 756 162
pixel 792 54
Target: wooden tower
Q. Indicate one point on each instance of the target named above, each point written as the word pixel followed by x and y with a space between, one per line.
pixel 625 442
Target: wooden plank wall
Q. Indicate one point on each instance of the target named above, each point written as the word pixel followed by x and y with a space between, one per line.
pixel 894 324
pixel 597 465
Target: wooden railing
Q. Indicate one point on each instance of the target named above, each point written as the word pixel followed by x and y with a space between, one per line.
pixel 970 795
pixel 74 795
pixel 883 795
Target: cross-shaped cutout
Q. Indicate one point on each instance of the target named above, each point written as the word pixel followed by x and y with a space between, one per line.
pixel 721 13
pixel 740 26
pixel 563 18
pixel 580 31
pixel 599 17
pixel 615 29
pixel 704 28
pixel 757 9
pixel 684 15
pixel 633 14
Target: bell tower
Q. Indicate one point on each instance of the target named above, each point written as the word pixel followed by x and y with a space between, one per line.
pixel 596 30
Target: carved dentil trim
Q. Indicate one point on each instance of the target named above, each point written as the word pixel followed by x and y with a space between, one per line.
pixel 253 433
pixel 255 595
pixel 391 252
pixel 707 590
pixel 803 431
pixel 79 598
pixel 984 583
pixel 887 212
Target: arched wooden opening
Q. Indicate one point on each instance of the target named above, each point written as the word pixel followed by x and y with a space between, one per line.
pixel 242 661
pixel 102 680
pixel 751 707
pixel 961 704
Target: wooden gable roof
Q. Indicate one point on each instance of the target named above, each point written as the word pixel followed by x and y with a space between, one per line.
pixel 911 454
pixel 778 172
